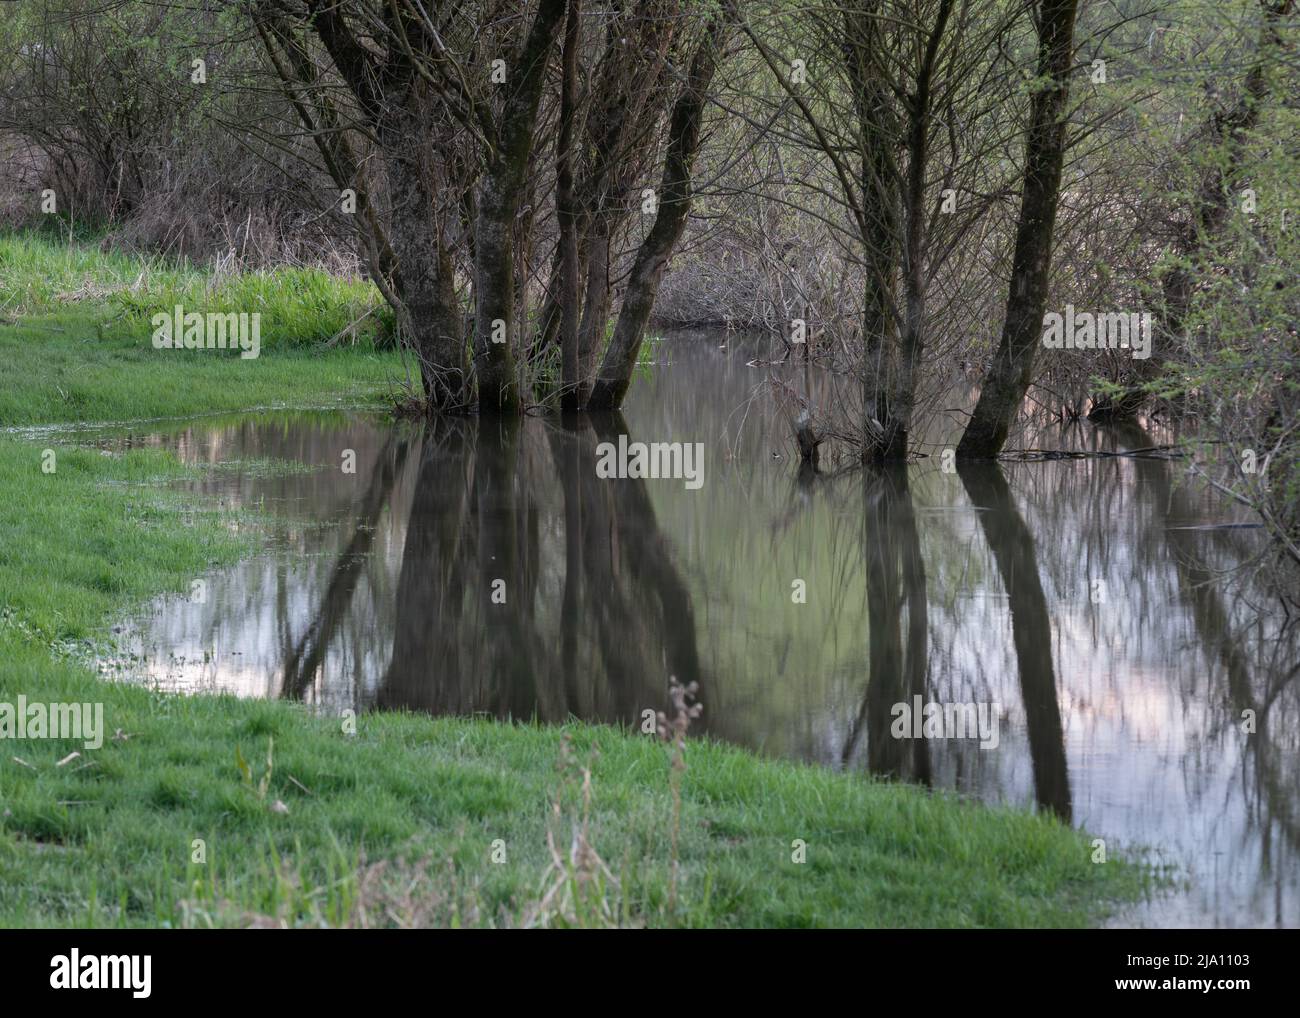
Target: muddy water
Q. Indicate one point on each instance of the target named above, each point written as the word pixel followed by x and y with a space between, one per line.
pixel 1093 613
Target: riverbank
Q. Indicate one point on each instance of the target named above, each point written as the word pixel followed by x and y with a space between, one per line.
pixel 75 325
pixel 210 810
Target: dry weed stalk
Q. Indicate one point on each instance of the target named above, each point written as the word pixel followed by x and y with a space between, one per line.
pixel 577 883
pixel 404 893
pixel 674 730
pixel 405 896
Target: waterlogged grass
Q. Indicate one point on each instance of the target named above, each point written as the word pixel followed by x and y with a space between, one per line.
pixel 264 466
pixel 97 533
pixel 69 368
pixel 110 837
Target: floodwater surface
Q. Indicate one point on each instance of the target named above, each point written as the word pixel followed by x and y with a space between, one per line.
pixel 1125 667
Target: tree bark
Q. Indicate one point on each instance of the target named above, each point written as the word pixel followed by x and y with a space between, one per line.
pixel 881 232
pixel 914 240
pixel 503 184
pixel 1008 376
pixel 596 304
pixel 412 251
pixel 571 394
pixel 615 374
pixel 424 276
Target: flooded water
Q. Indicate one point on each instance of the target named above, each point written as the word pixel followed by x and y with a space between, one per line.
pixel 1090 609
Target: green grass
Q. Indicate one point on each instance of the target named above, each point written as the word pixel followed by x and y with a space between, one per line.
pixel 75 330
pixel 109 837
pixel 98 533
pixel 300 307
pixel 65 369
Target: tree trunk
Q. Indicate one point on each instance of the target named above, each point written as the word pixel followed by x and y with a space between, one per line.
pixel 595 305
pixel 571 395
pixel 1008 376
pixel 914 241
pixel 503 184
pixel 424 276
pixel 616 369
pixel 879 228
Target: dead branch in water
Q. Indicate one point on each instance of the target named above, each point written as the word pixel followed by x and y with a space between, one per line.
pixel 1155 452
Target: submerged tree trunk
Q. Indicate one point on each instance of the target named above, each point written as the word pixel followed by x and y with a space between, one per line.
pixel 914 241
pixel 408 251
pixel 424 276
pixel 881 232
pixel 572 396
pixel 625 94
pixel 1008 376
pixel 879 339
pixel 615 374
pixel 503 186
pixel 595 305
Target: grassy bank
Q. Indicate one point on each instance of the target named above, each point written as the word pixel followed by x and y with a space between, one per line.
pixel 109 837
pixel 207 810
pixel 75 326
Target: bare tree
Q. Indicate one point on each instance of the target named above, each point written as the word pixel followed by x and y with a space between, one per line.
pixel 674 205
pixel 1008 376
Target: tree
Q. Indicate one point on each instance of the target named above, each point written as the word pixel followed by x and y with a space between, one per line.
pixel 674 205
pixel 1007 378
pixel 889 77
